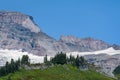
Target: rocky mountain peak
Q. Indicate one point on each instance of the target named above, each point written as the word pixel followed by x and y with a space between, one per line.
pixel 89 39
pixel 69 38
pixel 84 44
pixel 18 18
pixel 18 31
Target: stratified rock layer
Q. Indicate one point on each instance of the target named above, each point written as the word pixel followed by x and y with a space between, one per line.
pixel 18 31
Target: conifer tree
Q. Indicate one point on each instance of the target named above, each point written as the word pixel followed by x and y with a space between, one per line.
pixel 25 60
pixel 60 58
pixel 45 59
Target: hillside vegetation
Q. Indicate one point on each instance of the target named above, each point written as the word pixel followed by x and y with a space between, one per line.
pixel 59 72
pixel 117 72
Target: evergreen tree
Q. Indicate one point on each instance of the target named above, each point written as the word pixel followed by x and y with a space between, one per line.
pixel 117 70
pixel 71 59
pixel 12 66
pixel 83 62
pixel 60 58
pixel 45 59
pixel 7 66
pixel 2 71
pixel 77 61
pixel 25 60
pixel 80 62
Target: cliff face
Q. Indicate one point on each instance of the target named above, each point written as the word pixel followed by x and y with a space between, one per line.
pixel 84 44
pixel 18 18
pixel 18 31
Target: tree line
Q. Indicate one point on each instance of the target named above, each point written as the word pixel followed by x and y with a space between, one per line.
pixel 13 66
pixel 62 59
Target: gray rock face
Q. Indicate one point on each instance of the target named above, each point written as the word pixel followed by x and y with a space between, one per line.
pixel 107 63
pixel 19 18
pixel 85 44
pixel 117 47
pixel 18 31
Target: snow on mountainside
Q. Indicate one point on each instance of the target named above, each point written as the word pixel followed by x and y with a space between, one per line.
pixel 7 55
pixel 20 29
pixel 107 59
pixel 109 51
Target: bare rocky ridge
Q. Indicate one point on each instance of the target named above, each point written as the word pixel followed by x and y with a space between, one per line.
pixel 105 61
pixel 18 18
pixel 84 44
pixel 18 31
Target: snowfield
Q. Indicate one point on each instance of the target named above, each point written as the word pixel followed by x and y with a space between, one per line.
pixel 109 51
pixel 7 55
pixel 107 59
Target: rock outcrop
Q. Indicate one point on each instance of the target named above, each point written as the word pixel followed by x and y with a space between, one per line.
pixel 84 44
pixel 18 18
pixel 18 31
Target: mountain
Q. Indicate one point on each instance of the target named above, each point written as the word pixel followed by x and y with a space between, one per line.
pixel 85 44
pixel 7 55
pixel 11 18
pixel 19 31
pixel 107 60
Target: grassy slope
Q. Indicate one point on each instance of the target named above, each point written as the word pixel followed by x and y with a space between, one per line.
pixel 56 73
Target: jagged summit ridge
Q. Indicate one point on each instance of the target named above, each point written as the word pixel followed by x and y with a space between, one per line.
pixel 18 18
pixel 18 31
pixel 85 44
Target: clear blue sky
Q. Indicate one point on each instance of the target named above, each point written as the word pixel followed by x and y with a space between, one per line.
pixel 82 18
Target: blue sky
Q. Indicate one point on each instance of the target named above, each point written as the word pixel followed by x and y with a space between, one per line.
pixel 82 18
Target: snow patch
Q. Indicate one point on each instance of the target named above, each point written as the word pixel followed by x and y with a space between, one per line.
pixel 109 51
pixel 7 55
